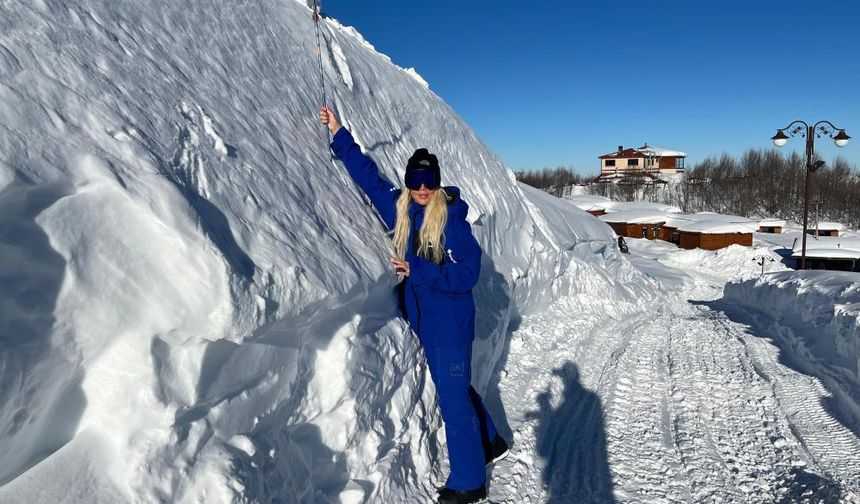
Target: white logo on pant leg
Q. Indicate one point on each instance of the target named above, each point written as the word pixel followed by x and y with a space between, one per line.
pixel 458 369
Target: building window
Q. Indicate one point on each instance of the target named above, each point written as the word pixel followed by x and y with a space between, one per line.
pixel 610 162
pixel 632 162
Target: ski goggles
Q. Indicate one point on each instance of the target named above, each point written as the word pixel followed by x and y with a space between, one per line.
pixel 431 179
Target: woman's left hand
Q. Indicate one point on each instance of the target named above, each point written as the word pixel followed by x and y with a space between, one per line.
pixel 401 267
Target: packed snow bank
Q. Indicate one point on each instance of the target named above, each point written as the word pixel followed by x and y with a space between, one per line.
pixel 731 263
pixel 196 300
pixel 815 318
pixel 586 257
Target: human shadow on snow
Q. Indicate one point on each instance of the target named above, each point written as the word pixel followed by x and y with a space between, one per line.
pixel 808 488
pixel 571 439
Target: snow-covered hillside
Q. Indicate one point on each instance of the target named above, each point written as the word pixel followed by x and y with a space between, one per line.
pixel 195 302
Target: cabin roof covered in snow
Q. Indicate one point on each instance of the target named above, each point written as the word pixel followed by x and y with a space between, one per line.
pixel 637 216
pixel 620 206
pixel 660 152
pixel 771 223
pixel 829 226
pixel 836 247
pixel 590 202
pixel 829 253
pixel 716 224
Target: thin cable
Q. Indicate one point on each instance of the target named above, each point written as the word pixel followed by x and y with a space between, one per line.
pixel 316 17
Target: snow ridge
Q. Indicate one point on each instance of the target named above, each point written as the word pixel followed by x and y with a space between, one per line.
pixel 209 312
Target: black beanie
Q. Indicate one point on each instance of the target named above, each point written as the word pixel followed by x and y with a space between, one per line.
pixel 423 160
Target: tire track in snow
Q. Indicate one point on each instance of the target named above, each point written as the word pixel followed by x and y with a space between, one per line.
pixel 644 463
pixel 821 441
pixel 725 422
pixel 696 410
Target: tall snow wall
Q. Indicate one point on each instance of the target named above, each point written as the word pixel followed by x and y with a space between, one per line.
pixel 195 300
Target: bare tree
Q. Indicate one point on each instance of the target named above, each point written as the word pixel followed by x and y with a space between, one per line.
pixel 761 183
pixel 764 183
pixel 558 181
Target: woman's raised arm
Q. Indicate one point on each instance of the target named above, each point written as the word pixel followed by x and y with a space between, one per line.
pixel 362 169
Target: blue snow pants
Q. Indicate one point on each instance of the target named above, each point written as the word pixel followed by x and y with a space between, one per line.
pixel 468 426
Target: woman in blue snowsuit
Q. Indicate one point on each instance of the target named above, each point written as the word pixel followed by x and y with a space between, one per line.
pixel 440 262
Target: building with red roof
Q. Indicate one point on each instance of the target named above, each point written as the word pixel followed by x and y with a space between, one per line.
pixel 643 162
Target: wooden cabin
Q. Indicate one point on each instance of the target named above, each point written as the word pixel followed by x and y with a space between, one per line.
pixel 773 226
pixel 641 223
pixel 670 234
pixel 830 229
pixel 830 253
pixel 715 233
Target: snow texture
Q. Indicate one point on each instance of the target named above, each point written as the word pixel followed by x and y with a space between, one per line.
pixel 589 202
pixel 824 303
pixel 620 206
pixel 635 217
pixel 196 301
pixel 660 152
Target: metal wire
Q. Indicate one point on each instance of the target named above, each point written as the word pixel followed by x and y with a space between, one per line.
pixel 316 18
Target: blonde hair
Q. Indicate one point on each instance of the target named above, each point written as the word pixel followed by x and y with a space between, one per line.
pixel 431 236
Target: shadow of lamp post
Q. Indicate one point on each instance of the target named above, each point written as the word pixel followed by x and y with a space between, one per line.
pixel 819 129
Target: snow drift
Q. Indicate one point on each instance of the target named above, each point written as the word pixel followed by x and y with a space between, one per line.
pixel 196 304
pixel 815 318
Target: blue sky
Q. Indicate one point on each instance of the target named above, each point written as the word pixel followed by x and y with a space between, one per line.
pixel 560 82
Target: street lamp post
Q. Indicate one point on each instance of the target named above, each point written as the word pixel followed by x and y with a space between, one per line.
pixel 819 129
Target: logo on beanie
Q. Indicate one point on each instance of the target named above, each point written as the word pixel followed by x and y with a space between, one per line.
pixel 422 169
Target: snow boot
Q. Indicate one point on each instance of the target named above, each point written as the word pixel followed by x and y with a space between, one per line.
pixel 449 496
pixel 497 450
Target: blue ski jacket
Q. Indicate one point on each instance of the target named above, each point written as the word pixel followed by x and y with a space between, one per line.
pixel 437 297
